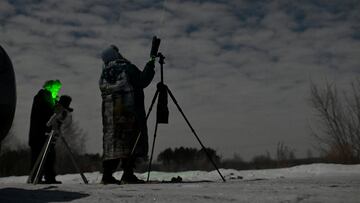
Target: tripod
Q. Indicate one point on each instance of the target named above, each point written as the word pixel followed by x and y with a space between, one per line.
pixel 162 116
pixel 55 123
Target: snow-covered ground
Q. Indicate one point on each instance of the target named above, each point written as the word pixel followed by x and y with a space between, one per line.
pixel 307 183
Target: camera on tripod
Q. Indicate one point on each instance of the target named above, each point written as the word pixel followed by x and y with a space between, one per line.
pixel 155 47
pixel 162 113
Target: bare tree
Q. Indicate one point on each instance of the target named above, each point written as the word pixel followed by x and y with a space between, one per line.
pixel 75 138
pixel 339 121
pixel 284 153
pixel 11 142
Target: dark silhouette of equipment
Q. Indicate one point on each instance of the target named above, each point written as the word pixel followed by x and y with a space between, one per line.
pixel 55 123
pixel 8 94
pixel 155 47
pixel 162 114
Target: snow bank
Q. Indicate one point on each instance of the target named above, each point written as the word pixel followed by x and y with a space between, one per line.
pixel 312 170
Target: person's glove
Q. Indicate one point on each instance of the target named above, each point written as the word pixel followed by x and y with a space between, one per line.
pixel 151 62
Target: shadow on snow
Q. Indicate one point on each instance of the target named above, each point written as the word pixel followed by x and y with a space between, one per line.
pixel 11 195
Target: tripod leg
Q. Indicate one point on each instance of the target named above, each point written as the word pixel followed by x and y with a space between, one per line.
pixel 43 159
pixel 73 160
pixel 36 165
pixel 147 116
pixel 197 137
pixel 152 103
pixel 152 152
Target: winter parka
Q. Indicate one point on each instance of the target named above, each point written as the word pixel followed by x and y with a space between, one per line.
pixel 41 111
pixel 123 112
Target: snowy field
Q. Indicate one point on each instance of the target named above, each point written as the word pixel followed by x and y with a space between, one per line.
pixel 306 183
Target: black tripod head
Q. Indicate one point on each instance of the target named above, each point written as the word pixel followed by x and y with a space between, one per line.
pixel 161 58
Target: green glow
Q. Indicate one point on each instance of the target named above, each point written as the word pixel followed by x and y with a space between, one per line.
pixel 55 91
pixel 54 87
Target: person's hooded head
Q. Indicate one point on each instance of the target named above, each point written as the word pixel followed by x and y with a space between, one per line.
pixel 111 54
pixel 53 86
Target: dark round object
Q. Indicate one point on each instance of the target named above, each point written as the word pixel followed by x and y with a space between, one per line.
pixel 65 101
pixel 8 93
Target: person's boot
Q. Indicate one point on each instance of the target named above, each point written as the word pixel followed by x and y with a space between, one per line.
pixel 109 167
pixel 128 176
pixel 50 180
pixel 109 179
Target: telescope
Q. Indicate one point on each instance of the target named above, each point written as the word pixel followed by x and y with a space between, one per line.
pixel 155 47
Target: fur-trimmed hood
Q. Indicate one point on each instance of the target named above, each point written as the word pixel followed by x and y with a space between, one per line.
pixel 111 54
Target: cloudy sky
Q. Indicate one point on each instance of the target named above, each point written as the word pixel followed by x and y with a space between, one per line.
pixel 240 69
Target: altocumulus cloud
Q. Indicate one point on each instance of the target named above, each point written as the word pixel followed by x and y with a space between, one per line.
pixel 240 69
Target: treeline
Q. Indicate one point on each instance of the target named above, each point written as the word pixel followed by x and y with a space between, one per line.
pixel 17 162
pixel 183 159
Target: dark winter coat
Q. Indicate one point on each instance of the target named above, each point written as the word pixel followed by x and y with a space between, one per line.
pixel 41 111
pixel 123 110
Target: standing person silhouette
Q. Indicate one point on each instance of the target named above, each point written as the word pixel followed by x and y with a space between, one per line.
pixel 123 114
pixel 42 109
